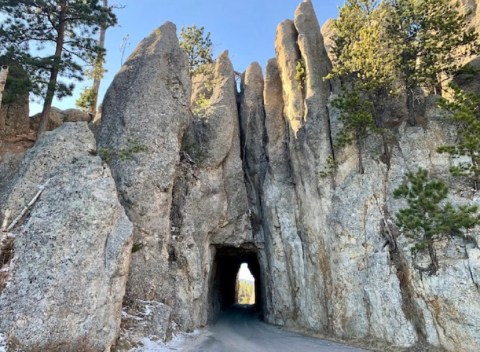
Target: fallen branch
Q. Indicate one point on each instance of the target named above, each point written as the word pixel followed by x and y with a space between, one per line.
pixel 27 207
pixel 6 219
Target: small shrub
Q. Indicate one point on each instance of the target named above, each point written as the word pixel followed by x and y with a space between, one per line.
pixel 195 151
pixel 137 246
pixel 300 75
pixel 133 147
pixel 105 154
pixel 330 168
pixel 201 105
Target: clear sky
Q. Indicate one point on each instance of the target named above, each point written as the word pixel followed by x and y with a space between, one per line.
pixel 244 273
pixel 244 27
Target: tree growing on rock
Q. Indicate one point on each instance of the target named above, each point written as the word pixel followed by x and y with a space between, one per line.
pixel 366 66
pixel 360 49
pixel 464 113
pixel 67 27
pixel 428 218
pixel 356 116
pixel 428 36
pixel 418 42
pixel 198 47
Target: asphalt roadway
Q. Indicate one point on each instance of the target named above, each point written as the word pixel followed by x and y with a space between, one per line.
pixel 240 330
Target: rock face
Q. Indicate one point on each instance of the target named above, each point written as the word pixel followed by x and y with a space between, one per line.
pixel 328 269
pixel 148 105
pixel 71 257
pixel 212 178
pixel 181 208
pixel 14 117
pixel 247 179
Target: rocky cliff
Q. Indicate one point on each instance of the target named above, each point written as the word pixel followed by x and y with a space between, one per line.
pixel 242 178
pixel 64 268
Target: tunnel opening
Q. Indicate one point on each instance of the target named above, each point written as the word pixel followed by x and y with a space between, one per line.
pixel 226 272
pixel 245 286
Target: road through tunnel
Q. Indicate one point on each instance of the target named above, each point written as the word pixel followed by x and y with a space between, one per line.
pixel 225 270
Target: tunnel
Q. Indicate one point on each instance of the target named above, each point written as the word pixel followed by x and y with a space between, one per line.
pixel 226 265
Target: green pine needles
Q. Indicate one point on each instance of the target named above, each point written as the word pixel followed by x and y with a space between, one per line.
pixel 357 118
pixel 464 112
pixel 198 47
pixel 428 218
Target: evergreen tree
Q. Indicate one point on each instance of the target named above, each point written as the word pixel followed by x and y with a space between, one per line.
pixel 357 117
pixel 198 47
pixel 366 66
pixel 428 218
pixel 464 112
pixel 33 27
pixel 429 37
pixel 360 49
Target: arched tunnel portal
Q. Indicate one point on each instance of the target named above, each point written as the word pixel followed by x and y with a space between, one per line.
pixel 226 264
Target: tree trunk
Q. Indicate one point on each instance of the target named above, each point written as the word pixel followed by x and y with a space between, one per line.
pixel 100 61
pixel 3 81
pixel 52 83
pixel 433 257
pixel 361 169
pixel 411 106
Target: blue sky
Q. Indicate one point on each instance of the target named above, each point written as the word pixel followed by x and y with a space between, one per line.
pixel 244 27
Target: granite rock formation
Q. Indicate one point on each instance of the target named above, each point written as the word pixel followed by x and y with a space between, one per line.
pixel 246 179
pixel 67 274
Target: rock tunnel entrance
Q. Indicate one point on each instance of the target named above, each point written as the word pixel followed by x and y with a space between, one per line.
pixel 225 269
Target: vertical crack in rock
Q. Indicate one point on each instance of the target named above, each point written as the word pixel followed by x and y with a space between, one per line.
pixel 253 141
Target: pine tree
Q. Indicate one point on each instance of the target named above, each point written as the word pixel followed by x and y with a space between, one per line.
pixel 428 218
pixel 357 118
pixel 67 27
pixel 366 66
pixel 198 47
pixel 429 36
pixel 464 112
pixel 360 49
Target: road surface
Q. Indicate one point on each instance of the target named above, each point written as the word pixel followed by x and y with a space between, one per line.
pixel 239 330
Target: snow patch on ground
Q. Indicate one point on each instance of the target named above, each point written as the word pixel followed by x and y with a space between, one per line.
pixel 3 344
pixel 156 346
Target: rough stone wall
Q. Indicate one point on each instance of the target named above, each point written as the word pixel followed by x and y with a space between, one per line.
pixel 253 177
pixel 182 202
pixel 211 206
pixel 245 171
pixel 14 118
pixel 145 112
pixel 66 280
pixel 331 226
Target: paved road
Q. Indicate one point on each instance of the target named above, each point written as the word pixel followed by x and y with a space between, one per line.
pixel 239 330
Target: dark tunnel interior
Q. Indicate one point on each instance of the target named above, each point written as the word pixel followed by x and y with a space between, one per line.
pixel 225 268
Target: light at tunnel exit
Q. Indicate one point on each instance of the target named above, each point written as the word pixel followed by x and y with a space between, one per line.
pixel 245 286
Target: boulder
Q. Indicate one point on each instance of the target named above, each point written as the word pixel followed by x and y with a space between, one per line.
pixel 55 119
pixel 75 115
pixel 67 277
